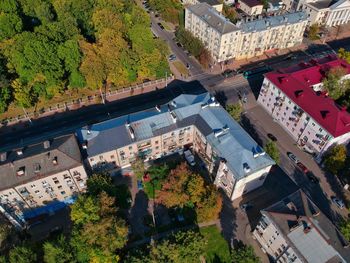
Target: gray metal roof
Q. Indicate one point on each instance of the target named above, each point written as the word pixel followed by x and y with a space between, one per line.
pixel 322 4
pixel 236 146
pixel 64 149
pixel 213 18
pixel 210 2
pixel 272 21
pixel 323 243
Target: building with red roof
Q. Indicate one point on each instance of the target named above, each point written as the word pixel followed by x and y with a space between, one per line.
pixel 295 98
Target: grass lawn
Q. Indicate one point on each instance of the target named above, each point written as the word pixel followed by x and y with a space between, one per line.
pixel 217 249
pixel 181 68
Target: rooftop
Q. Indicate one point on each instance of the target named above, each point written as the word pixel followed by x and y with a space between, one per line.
pixel 251 3
pixel 212 17
pixel 272 21
pixel 235 145
pixel 211 2
pixel 31 162
pixel 323 3
pixel 297 83
pixel 307 230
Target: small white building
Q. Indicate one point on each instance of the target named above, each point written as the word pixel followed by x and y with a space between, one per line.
pixel 214 3
pixel 251 7
pixel 326 12
pixel 295 99
pixel 295 230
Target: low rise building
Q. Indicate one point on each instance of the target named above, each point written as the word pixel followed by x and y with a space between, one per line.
pixel 326 12
pixel 295 99
pixel 251 7
pixel 39 178
pixel 234 159
pixel 295 230
pixel 226 40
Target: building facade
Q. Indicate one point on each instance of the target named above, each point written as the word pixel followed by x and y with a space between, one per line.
pixel 226 40
pixel 328 13
pixel 296 100
pixel 295 230
pixel 251 7
pixel 37 178
pixel 189 121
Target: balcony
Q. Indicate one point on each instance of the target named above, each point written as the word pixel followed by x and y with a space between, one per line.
pixel 145 145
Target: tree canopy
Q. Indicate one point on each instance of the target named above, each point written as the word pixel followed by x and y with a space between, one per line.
pixel 244 254
pixel 272 150
pixel 49 46
pixel 335 159
pixel 235 110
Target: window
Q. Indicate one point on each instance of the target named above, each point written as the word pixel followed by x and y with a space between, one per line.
pixel 313 124
pixel 63 193
pixel 112 156
pixel 320 129
pixel 91 159
pixel 101 157
pixel 156 142
pixel 130 148
pixel 32 185
pixel 59 187
pixel 36 191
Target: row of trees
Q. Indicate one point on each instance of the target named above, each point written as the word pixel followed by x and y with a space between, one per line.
pixel 169 10
pixel 49 46
pixel 194 45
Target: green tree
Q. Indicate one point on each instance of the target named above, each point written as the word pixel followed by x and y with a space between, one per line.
pixel 22 254
pixel 272 150
pixel 345 229
pixel 23 94
pixel 235 110
pixel 342 53
pixel 5 231
pixel 230 13
pixel 314 32
pixel 5 98
pixel 244 254
pixel 138 168
pixel 101 182
pixel 335 87
pixel 85 210
pixel 335 159
pixel 58 251
pixel 10 25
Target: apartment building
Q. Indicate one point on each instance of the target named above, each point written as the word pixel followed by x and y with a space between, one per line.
pixel 214 3
pixel 295 99
pixel 251 7
pixel 326 12
pixel 37 178
pixel 295 230
pixel 226 40
pixel 234 159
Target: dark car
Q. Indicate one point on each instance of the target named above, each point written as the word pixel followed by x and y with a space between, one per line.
pixel 312 177
pixel 272 137
pixel 160 25
pixel 179 44
pixel 302 167
pixel 229 73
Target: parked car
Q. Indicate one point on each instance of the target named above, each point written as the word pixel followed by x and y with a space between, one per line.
pixel 302 167
pixel 189 157
pixel 172 57
pixel 272 137
pixel 312 177
pixel 292 157
pixel 246 206
pixel 229 73
pixel 338 202
pixel 160 25
pixel 139 185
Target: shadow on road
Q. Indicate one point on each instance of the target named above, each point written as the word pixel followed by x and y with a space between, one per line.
pixel 250 128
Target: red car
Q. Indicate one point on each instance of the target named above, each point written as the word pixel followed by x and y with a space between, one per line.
pixel 302 167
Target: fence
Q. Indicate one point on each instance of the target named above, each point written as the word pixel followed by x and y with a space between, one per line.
pixel 113 94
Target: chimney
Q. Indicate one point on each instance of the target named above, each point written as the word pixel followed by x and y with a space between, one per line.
pixel 298 93
pixel 3 156
pixel 84 145
pixel 173 103
pixel 46 144
pixel 19 152
pixel 158 108
pixel 324 114
pixel 307 229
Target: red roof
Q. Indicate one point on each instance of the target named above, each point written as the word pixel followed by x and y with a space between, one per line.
pixel 296 82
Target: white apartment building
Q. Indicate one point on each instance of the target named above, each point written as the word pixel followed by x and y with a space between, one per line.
pixel 251 7
pixel 226 40
pixel 295 99
pixel 233 158
pixel 214 3
pixel 295 230
pixel 39 178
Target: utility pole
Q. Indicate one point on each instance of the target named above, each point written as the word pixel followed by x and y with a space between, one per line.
pixel 25 113
pixel 166 78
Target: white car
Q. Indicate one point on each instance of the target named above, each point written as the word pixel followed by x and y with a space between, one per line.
pixel 189 157
pixel 339 203
pixel 292 157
